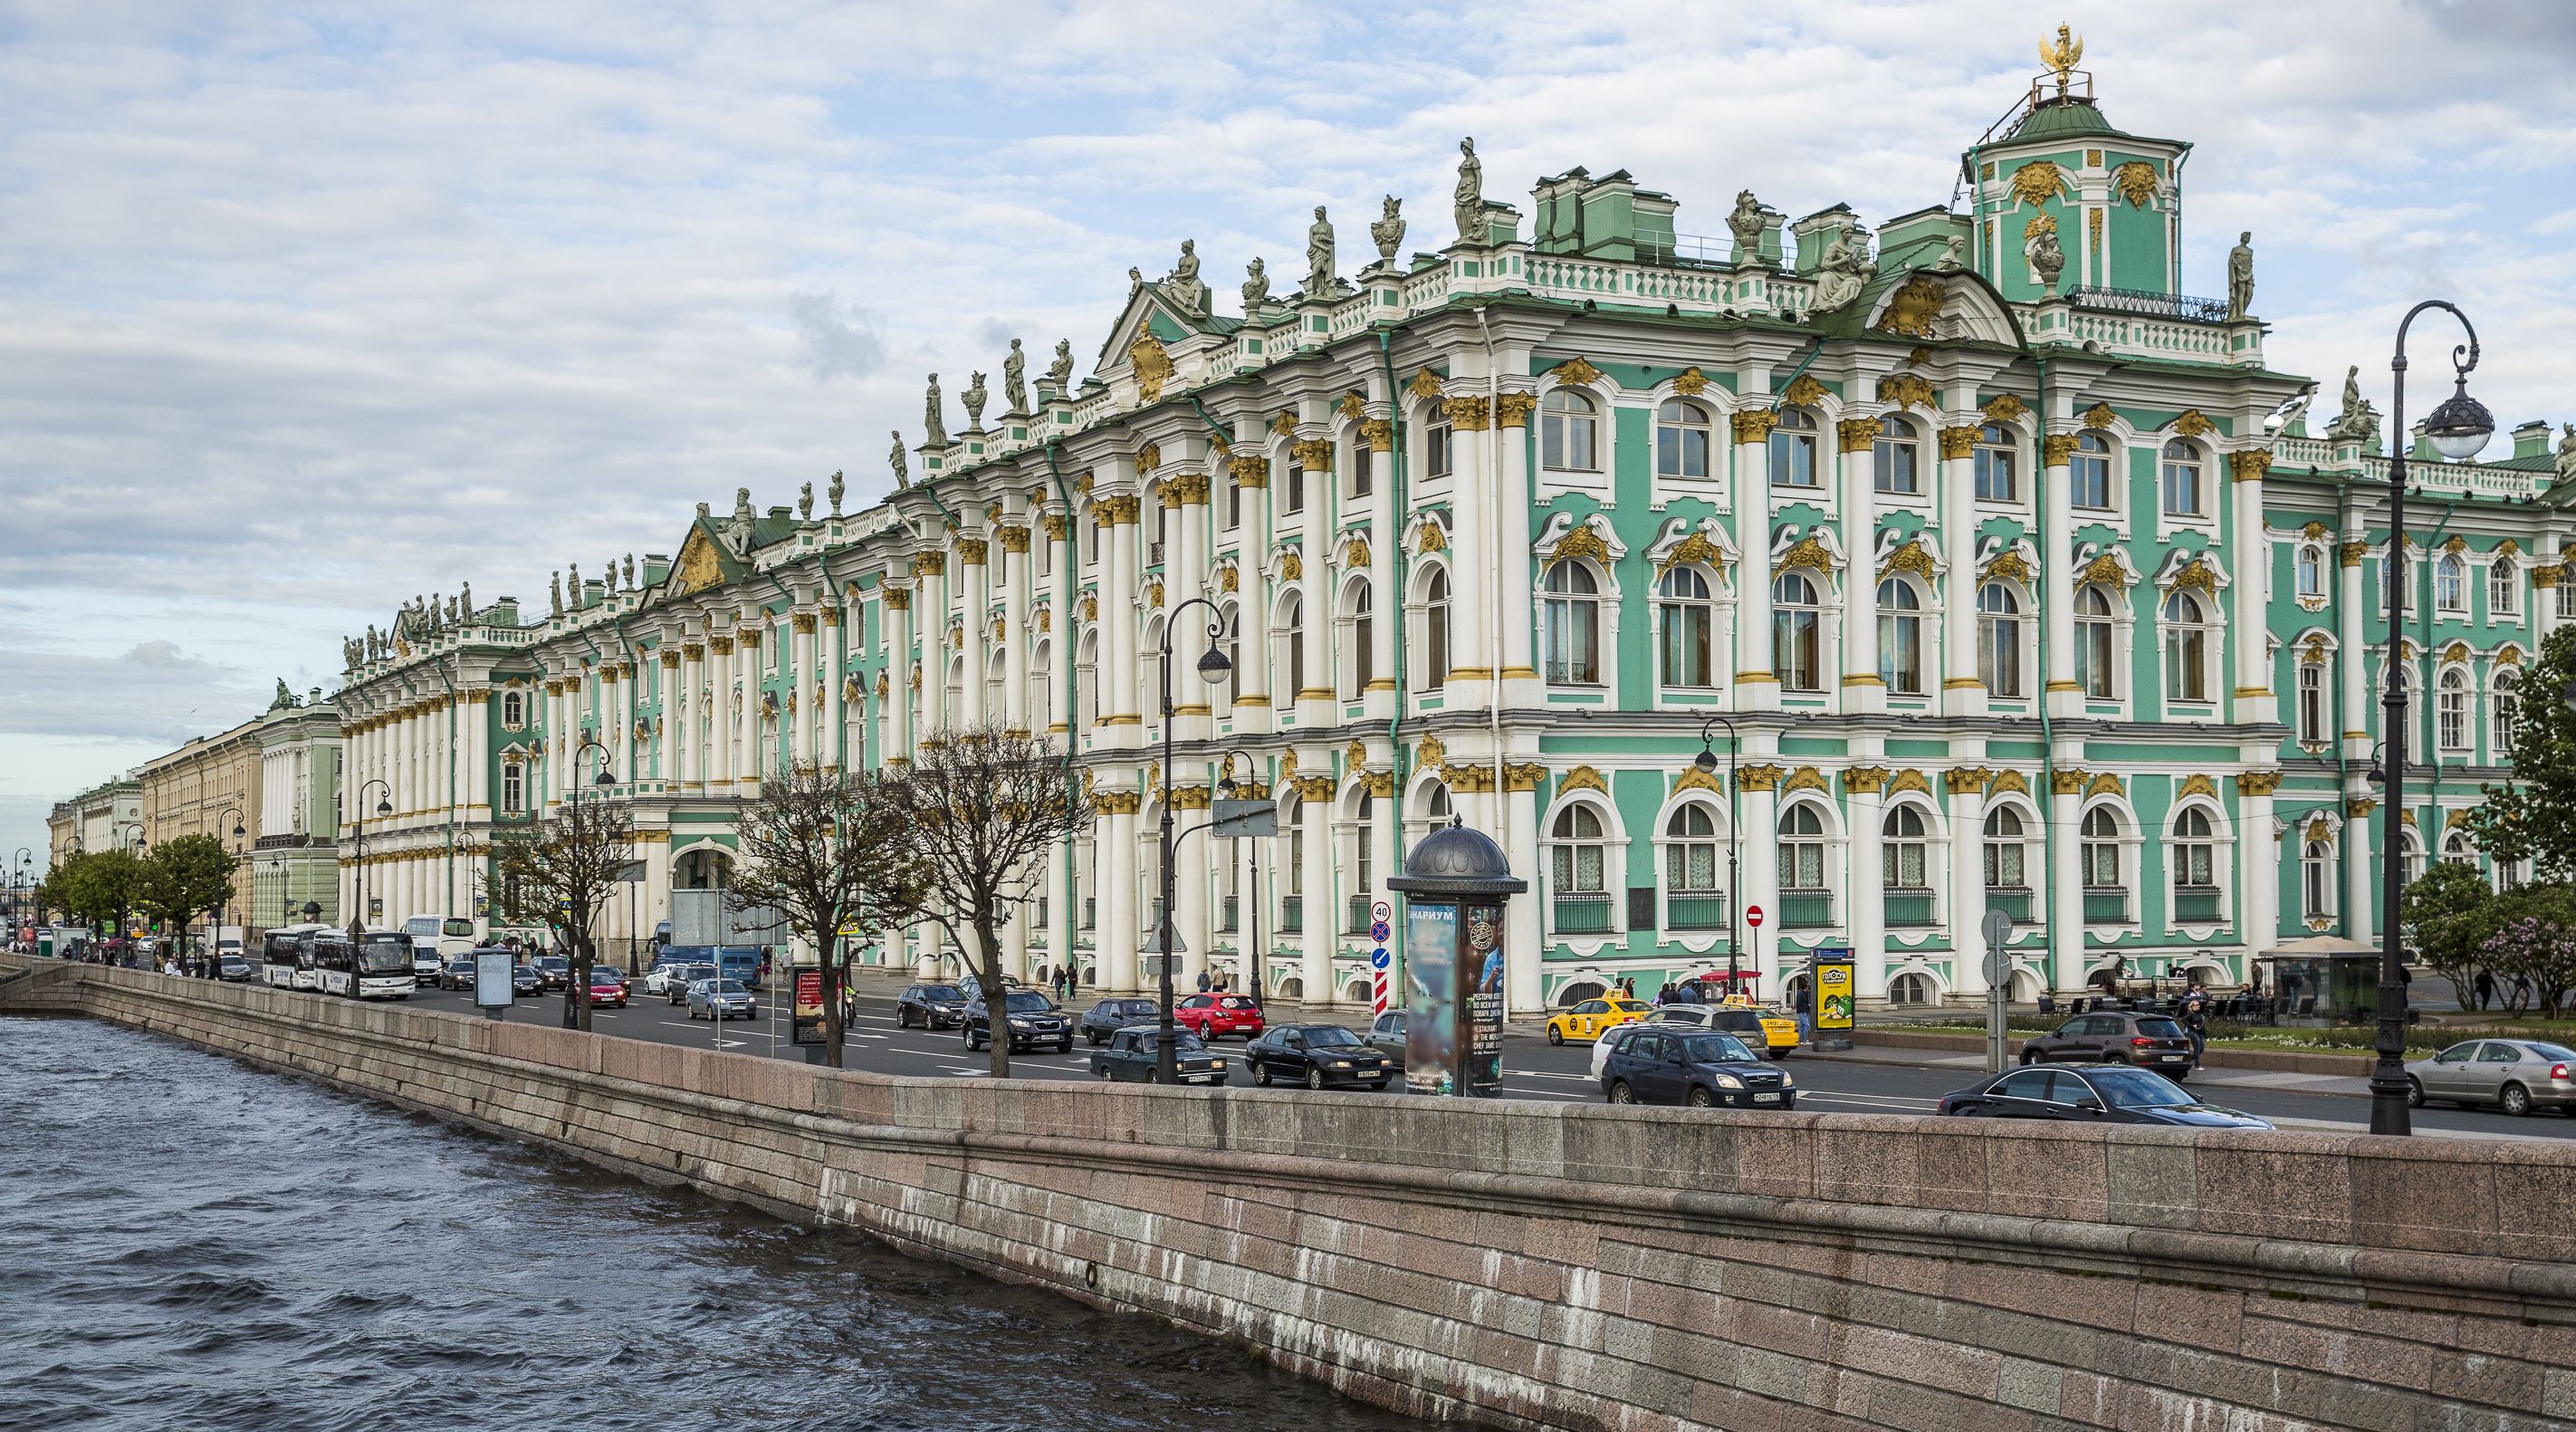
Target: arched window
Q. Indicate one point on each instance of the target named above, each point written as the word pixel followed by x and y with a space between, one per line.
pixel 1041 713
pixel 1364 862
pixel 1895 457
pixel 2094 667
pixel 2456 849
pixel 1435 630
pixel 2504 588
pixel 997 673
pixel 1359 646
pixel 2312 703
pixel 1682 440
pixel 1230 621
pixel 514 710
pixel 1793 449
pixel 2183 487
pixel 2006 850
pixel 1900 637
pixel 2316 880
pixel 1149 670
pixel 1436 806
pixel 2089 471
pixel 1796 633
pixel 2451 710
pixel 2101 850
pixel 1288 648
pixel 2195 851
pixel 2186 649
pixel 1802 848
pixel 1580 863
pixel 2410 853
pixel 1905 848
pixel 957 687
pixel 1689 622
pixel 2310 570
pixel 2451 584
pixel 1570 626
pixel 1998 474
pixel 1691 851
pixel 1999 639
pixel 1086 682
pixel 1569 432
pixel 2508 705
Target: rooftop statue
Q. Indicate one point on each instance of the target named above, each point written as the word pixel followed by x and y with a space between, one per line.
pixel 572 582
pixel 2046 257
pixel 1183 287
pixel 2567 451
pixel 1468 202
pixel 1256 288
pixel 554 591
pixel 1015 388
pixel 975 397
pixel 805 503
pixel 1954 255
pixel 837 487
pixel 1745 223
pixel 1388 232
pixel 2358 422
pixel 2240 277
pixel 285 698
pixel 2062 56
pixel 1060 369
pixel 894 457
pixel 1320 281
pixel 465 599
pixel 1843 272
pixel 348 653
pixel 934 426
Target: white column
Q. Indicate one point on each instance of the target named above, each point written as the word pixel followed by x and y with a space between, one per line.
pixel 1475 583
pixel 1377 449
pixel 1119 675
pixel 974 586
pixel 1320 919
pixel 2360 870
pixel 1019 637
pixel 936 719
pixel 1114 938
pixel 750 757
pixel 1514 594
pixel 720 744
pixel 2361 715
pixel 2067 956
pixel 1967 904
pixel 1863 689
pixel 1962 694
pixel 1865 881
pixel 1756 688
pixel 836 677
pixel 2544 597
pixel 2256 702
pixel 1184 576
pixel 2057 580
pixel 801 667
pixel 2259 851
pixel 899 694
pixel 1522 987
pixel 1317 700
pixel 1253 715
pixel 1067 622
pixel 1759 872
pixel 1190 869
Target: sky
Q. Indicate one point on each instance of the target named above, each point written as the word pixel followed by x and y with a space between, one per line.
pixel 308 309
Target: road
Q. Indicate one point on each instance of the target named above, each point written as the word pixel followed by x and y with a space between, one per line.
pixel 1533 1069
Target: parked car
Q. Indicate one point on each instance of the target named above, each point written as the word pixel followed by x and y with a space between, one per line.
pixel 1112 1015
pixel 2515 1075
pixel 676 987
pixel 666 971
pixel 2091 1093
pixel 721 1000
pixel 1034 1020
pixel 1387 1036
pixel 1317 1056
pixel 232 969
pixel 457 973
pixel 607 986
pixel 1704 1068
pixel 526 978
pixel 1133 1053
pixel 1214 1016
pixel 2147 1041
pixel 1588 1019
pixel 930 1006
pixel 555 970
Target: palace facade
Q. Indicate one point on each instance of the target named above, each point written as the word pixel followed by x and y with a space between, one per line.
pixel 1992 572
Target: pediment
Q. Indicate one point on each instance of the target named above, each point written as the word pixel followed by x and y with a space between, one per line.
pixel 1926 305
pixel 702 563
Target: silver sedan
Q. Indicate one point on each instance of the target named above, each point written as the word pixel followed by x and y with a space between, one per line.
pixel 2515 1075
pixel 720 1000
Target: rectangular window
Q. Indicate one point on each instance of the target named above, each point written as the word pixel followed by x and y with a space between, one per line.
pixel 2090 477
pixel 1361 472
pixel 2182 487
pixel 514 788
pixel 1435 450
pixel 2312 704
pixel 1996 480
pixel 2566 590
pixel 1295 496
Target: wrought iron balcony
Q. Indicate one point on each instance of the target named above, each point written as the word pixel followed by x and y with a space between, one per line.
pixel 2106 906
pixel 1907 909
pixel 2013 900
pixel 1695 910
pixel 2149 304
pixel 2196 903
pixel 1582 912
pixel 1806 909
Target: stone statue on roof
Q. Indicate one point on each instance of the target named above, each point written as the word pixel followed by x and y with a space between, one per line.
pixel 837 487
pixel 1015 387
pixel 2240 277
pixel 1388 232
pixel 805 503
pixel 554 591
pixel 1320 280
pixel 1954 255
pixel 975 397
pixel 1256 288
pixel 894 456
pixel 465 599
pixel 455 613
pixel 2359 421
pixel 2566 451
pixel 934 426
pixel 630 571
pixel 1183 287
pixel 1746 224
pixel 1059 374
pixel 1467 201
pixel 285 698
pixel 2047 259
pixel 1843 272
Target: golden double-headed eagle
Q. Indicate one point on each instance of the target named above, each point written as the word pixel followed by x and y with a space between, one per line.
pixel 2062 56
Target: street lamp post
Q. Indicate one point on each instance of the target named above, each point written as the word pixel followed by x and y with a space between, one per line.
pixel 26 887
pixel 1247 905
pixel 215 937
pixel 1167 1059
pixel 2457 429
pixel 358 828
pixel 1706 762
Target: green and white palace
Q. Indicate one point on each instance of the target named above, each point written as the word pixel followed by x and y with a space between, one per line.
pixel 2017 579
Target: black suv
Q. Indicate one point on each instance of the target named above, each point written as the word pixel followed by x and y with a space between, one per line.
pixel 1112 1015
pixel 554 970
pixel 1034 1021
pixel 457 973
pixel 2148 1041
pixel 931 1006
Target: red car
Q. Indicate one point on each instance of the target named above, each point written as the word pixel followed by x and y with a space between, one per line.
pixel 607 986
pixel 1211 1016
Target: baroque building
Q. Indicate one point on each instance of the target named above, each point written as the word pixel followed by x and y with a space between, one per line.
pixel 1992 571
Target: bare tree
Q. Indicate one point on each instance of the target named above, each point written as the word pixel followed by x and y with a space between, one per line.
pixel 979 812
pixel 561 870
pixel 826 850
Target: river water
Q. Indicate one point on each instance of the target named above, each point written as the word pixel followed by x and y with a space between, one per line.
pixel 190 1243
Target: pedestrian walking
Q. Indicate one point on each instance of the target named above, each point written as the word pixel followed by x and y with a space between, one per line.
pixel 1203 981
pixel 2195 1022
pixel 2485 988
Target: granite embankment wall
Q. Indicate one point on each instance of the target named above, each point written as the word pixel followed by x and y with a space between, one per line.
pixel 1539 1266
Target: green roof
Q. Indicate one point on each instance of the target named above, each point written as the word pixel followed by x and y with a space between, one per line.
pixel 2062 119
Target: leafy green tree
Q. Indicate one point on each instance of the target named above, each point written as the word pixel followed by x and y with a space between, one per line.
pixel 2448 907
pixel 99 887
pixel 2532 935
pixel 562 871
pixel 183 879
pixel 2532 816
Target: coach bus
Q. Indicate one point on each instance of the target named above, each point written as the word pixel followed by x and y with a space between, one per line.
pixel 285 962
pixel 378 966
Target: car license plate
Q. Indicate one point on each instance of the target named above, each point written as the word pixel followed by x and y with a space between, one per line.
pixel 1766 1098
pixel 2170 1058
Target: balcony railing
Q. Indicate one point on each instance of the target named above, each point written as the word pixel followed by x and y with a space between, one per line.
pixel 1292 914
pixel 1907 909
pixel 1355 920
pixel 1695 910
pixel 2106 907
pixel 2014 901
pixel 2196 903
pixel 1806 909
pixel 1583 912
pixel 2149 304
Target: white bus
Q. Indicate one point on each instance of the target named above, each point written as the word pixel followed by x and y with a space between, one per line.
pixel 448 935
pixel 285 959
pixel 377 967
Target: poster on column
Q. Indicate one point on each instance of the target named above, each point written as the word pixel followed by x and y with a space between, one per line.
pixel 1482 954
pixel 1833 988
pixel 1430 996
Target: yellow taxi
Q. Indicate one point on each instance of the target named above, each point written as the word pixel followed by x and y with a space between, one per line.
pixel 1585 1021
pixel 1770 1031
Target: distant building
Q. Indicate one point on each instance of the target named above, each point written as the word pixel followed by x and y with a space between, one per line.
pixel 107 816
pixel 295 858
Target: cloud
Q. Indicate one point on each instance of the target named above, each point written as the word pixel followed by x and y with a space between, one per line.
pixel 836 342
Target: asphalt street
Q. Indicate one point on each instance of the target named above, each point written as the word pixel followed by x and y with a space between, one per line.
pixel 1533 1069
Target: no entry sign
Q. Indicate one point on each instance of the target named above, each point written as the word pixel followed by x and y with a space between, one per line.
pixel 1753 916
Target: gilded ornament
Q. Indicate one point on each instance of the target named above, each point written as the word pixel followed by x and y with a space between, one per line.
pixel 1466 415
pixel 1806 778
pixel 1379 434
pixel 1907 390
pixel 2135 181
pixel 1425 384
pixel 1959 442
pixel 1152 364
pixel 2548 575
pixel 698 567
pixel 2358 808
pixel 2038 225
pixel 1090 607
pixel 1808 552
pixel 1013 539
pixel 2038 181
pixel 2457 544
pixel 2510 656
pixel 2099 416
pixel 1046 619
pixel 1912 557
pixel 2093 225
pixel 2069 781
pixel 1690 382
pixel 1753 425
pixel 2316 655
pixel 1583 778
pixel 2456 651
pixel 1865 780
pixel 2200 785
pixel 802 621
pixel 1909 781
pixel 929 564
pixel 1228 580
pixel 1355 755
pixel 2318 831
pixel 1759 779
pixel 2250 465
pixel 1314 455
pixel 1352 406
pixel 2195 575
pixel 1580 541
pixel 1251 470
pixel 1512 410
pixel 2057 449
pixel 2008 783
pixel 1153 594
pixel 1693 778
pixel 2192 425
pixel 1698 549
pixel 1193 489
pixel 2005 408
pixel 1432 752
pixel 2105 571
pixel 1915 308
pixel 1149 457
pixel 2351 553
pixel 1576 373
pixel 1803 391
pixel 2314 531
pixel 1314 788
pixel 2104 784
pixel 1292 568
pixel 1433 538
pixel 1856 434
pixel 1283 423
pixel 1966 780
pixel 1380 784
pixel 972 553
pixel 2508 548
pixel 2007 566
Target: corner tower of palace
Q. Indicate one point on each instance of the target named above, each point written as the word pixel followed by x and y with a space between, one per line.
pixel 1996 573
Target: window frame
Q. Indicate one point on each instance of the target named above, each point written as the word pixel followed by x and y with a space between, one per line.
pixel 1563 612
pixel 1566 414
pixel 1790 621
pixel 2187 646
pixel 1901 656
pixel 1897 445
pixel 1677 422
pixel 1697 613
pixel 1997 463
pixel 2094 451
pixel 1793 436
pixel 1999 636
pixel 2181 461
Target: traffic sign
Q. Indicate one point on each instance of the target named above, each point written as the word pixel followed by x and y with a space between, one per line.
pixel 1377 993
pixel 1378 958
pixel 1753 916
pixel 1381 910
pixel 1379 929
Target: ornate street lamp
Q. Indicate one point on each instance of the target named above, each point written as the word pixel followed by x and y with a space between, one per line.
pixel 1706 761
pixel 1213 665
pixel 358 828
pixel 2458 429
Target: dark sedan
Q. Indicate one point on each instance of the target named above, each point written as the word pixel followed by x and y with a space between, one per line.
pixel 1317 1056
pixel 2148 1041
pixel 232 969
pixel 526 979
pixel 1112 1015
pixel 1705 1069
pixel 1034 1020
pixel 1133 1053
pixel 2092 1093
pixel 930 1006
pixel 554 970
pixel 457 973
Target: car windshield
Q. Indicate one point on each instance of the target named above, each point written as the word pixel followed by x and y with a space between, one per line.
pixel 1183 1042
pixel 730 987
pixel 1715 1049
pixel 941 992
pixel 2159 1028
pixel 1331 1036
pixel 2138 1089
pixel 1130 1006
pixel 602 975
pixel 553 962
pixel 384 954
pixel 1031 1003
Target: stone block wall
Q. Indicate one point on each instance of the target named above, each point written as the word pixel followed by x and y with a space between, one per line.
pixel 1546 1266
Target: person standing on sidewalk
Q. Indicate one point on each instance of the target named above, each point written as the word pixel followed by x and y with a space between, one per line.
pixel 2195 1023
pixel 2485 988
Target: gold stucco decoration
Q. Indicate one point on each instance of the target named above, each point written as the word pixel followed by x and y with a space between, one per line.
pixel 1314 455
pixel 2057 449
pixel 2192 424
pixel 1693 778
pixel 1352 406
pixel 1356 554
pixel 1806 778
pixel 1906 390
pixel 2009 782
pixel 2005 408
pixel 1865 780
pixel 1283 423
pixel 1856 434
pixel 1153 594
pixel 1512 410
pixel 2099 416
pixel 2069 780
pixel 2198 786
pixel 1250 469
pixel 1690 383
pixel 2196 575
pixel 2135 181
pixel 1090 608
pixel 1804 391
pixel 1966 780
pixel 1915 309
pixel 1960 441
pixel 1696 549
pixel 1753 425
pixel 1425 384
pixel 1292 567
pixel 2105 784
pixel 1758 779
pixel 1433 538
pixel 1152 364
pixel 1229 580
pixel 2038 181
pixel 698 567
pixel 1466 415
pixel 2316 653
pixel 2093 225
pixel 2249 465
pixel 1583 778
pixel 1355 755
pixel 1576 372
pixel 2007 566
pixel 2106 571
pixel 1379 434
pixel 1579 541
pixel 1909 780
pixel 1912 557
pixel 1809 553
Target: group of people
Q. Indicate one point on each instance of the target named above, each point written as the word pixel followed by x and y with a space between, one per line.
pixel 2512 997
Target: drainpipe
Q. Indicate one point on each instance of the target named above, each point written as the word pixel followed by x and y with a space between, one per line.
pixel 1068 956
pixel 2343 763
pixel 1395 535
pixel 1494 629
